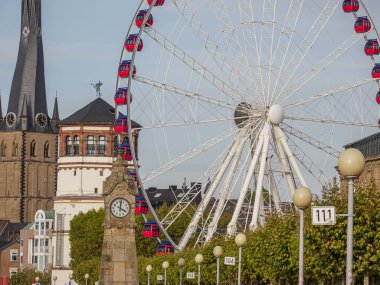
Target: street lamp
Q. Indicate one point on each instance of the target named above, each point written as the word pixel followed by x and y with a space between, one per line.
pixel 149 270
pixel 86 276
pixel 37 279
pixel 350 165
pixel 71 278
pixel 165 265
pixel 199 260
pixel 54 278
pixel 240 241
pixel 302 199
pixel 218 251
pixel 181 264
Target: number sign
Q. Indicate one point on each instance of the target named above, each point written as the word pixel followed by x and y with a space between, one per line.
pixel 229 260
pixel 323 215
pixel 190 275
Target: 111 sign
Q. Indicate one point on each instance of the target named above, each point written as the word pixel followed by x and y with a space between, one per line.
pixel 323 215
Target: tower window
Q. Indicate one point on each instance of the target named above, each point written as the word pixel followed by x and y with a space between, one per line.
pixel 96 190
pixel 115 145
pixel 15 149
pixel 76 145
pixel 101 173
pixel 90 146
pixel 102 145
pixel 75 173
pixel 68 145
pixel 33 148
pixel 3 149
pixel 46 150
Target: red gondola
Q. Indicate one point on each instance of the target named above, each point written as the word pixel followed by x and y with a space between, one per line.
pixel 372 47
pixel 151 230
pixel 130 43
pixel 378 123
pixel 127 154
pixel 350 6
pixel 121 96
pixel 124 68
pixel 121 124
pixel 376 71
pixel 132 173
pixel 158 2
pixel 164 247
pixel 140 18
pixel 362 25
pixel 141 207
pixel 378 97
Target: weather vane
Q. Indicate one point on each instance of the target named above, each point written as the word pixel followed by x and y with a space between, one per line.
pixel 97 88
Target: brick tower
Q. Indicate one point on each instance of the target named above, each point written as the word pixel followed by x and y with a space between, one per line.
pixel 28 136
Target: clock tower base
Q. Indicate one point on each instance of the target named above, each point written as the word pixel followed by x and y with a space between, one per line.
pixel 119 257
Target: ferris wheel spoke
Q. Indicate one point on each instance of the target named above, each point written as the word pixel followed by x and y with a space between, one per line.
pixel 220 84
pixel 310 140
pixel 185 93
pixel 307 43
pixel 315 70
pixel 285 38
pixel 330 93
pixel 229 68
pixel 232 40
pixel 328 121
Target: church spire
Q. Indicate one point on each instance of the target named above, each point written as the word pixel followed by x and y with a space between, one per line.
pixel 55 117
pixel 29 78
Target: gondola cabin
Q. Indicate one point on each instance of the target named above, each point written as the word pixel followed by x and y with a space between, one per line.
pixel 378 97
pixel 121 124
pixel 376 71
pixel 141 207
pixel 130 43
pixel 127 153
pixel 350 6
pixel 125 67
pixel 151 230
pixel 121 96
pixel 378 123
pixel 372 47
pixel 362 25
pixel 140 19
pixel 132 173
pixel 158 2
pixel 164 247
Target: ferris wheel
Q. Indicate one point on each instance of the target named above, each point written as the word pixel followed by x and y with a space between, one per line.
pixel 247 99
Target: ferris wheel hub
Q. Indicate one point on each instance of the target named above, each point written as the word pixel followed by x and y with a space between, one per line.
pixel 276 114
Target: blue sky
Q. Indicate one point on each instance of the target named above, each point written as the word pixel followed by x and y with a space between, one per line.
pixel 82 44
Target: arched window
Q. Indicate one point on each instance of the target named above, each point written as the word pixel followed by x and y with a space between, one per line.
pixel 76 145
pixel 90 145
pixel 46 150
pixel 3 149
pixel 68 145
pixel 102 145
pixel 115 146
pixel 33 148
pixel 14 149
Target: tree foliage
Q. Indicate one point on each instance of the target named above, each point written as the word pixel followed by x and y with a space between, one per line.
pixel 27 276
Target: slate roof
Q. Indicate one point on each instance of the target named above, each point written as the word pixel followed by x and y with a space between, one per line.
pixel 94 113
pixel 369 146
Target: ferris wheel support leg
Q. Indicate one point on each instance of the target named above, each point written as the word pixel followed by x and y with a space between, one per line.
pixel 224 194
pixel 273 191
pixel 291 158
pixel 284 162
pixel 259 186
pixel 205 201
pixel 231 228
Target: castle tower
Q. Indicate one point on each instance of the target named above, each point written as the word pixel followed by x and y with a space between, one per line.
pixel 28 138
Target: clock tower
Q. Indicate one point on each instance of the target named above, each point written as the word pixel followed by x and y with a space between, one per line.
pixel 119 257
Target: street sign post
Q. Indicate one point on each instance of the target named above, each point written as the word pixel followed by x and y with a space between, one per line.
pixel 190 275
pixel 229 260
pixel 323 215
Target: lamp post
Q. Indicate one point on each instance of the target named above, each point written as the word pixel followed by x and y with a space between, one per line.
pixel 165 265
pixel 71 278
pixel 218 251
pixel 86 276
pixel 199 260
pixel 37 279
pixel 149 270
pixel 240 241
pixel 54 278
pixel 302 199
pixel 181 264
pixel 350 165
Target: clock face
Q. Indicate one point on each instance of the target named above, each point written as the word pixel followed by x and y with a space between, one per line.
pixel 10 119
pixel 120 207
pixel 41 119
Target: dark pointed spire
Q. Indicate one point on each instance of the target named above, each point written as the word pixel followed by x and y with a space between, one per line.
pixel 55 115
pixel 29 77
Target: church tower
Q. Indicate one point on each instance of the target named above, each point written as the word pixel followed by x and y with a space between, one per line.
pixel 28 136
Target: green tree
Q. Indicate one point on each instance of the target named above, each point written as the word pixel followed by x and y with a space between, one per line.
pixel 27 276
